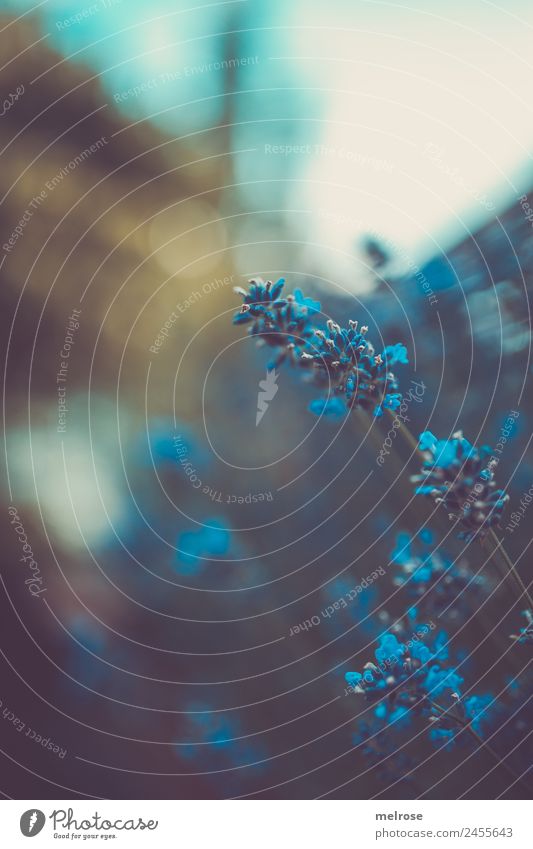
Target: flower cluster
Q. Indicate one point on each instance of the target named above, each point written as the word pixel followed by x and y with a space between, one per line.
pixel 431 576
pixel 345 363
pixel 283 323
pixel 406 673
pixel 458 475
pixel 340 360
pixel 410 680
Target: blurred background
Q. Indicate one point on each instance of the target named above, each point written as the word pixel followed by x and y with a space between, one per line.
pixel 154 156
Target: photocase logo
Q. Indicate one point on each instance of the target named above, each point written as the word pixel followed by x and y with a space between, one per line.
pixel 268 389
pixel 32 822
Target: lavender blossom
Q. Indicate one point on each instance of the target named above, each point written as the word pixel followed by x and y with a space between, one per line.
pixel 339 360
pixel 459 476
pixel 344 362
pixel 281 323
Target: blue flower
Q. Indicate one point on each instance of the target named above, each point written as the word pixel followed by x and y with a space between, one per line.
pixel 340 360
pixel 334 408
pixel 308 303
pixel 460 476
pixel 281 323
pixel 395 354
pixel 389 650
pixel 211 540
pixel 427 441
pixel 343 361
pixel 402 550
pixel 477 709
pixel 438 680
pixel 410 676
pixel 353 678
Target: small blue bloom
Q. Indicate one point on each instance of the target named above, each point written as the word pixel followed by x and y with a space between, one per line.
pixel 194 547
pixel 438 680
pixel 402 551
pixel 396 354
pixel 477 709
pixel 333 408
pixel 389 650
pixel 281 323
pixel 392 401
pixel 443 736
pixel 310 305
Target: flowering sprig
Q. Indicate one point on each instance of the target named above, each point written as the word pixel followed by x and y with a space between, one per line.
pixel 282 323
pixel 411 680
pixel 406 672
pixel 457 475
pixel 410 677
pixel 340 360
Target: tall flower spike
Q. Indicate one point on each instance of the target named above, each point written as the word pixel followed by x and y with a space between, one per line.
pixel 344 362
pixel 281 323
pixel 339 359
pixel 459 476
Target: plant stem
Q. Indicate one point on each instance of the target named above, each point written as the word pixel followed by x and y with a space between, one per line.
pixel 511 568
pixel 406 433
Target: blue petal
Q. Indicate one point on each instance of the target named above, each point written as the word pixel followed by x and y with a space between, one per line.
pixel 445 453
pixel 276 288
pixel 402 549
pixel 427 441
pixel 392 401
pixel 311 305
pixel 424 490
pixel 396 354
pixel 389 649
